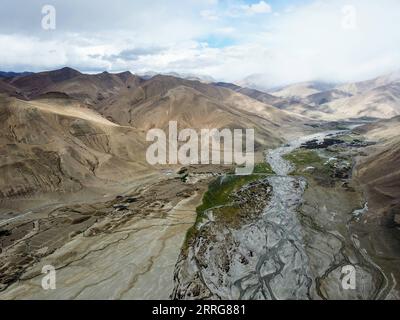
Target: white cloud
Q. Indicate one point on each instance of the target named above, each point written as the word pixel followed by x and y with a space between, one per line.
pixel 225 30
pixel 255 8
pixel 238 10
pixel 290 8
pixel 310 42
pixel 209 15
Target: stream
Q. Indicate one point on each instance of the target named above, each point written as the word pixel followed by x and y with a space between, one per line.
pixel 281 215
pixel 284 268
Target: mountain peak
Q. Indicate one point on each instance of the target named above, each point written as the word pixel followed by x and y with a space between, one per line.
pixel 62 74
pixel 67 70
pixel 125 73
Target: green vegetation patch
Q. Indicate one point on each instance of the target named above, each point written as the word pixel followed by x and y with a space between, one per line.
pixel 218 196
pixel 263 168
pixel 352 138
pixel 310 163
pixel 304 158
pixel 325 169
pixel 341 127
pixel 219 191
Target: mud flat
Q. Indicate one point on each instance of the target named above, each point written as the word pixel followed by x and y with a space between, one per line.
pixel 134 261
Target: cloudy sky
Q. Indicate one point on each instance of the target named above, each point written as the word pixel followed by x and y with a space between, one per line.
pixel 285 40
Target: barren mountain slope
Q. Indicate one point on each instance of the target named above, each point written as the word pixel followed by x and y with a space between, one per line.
pixel 93 89
pixel 59 146
pixel 37 83
pixel 379 175
pixel 116 95
pixel 9 89
pixel 197 105
pixel 294 105
pixel 380 171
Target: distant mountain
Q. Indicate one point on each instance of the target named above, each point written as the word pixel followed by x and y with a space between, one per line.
pixel 375 98
pixel 4 74
pixel 90 88
pixel 257 81
pixel 379 102
pixel 323 97
pixel 294 105
pixel 194 104
pixel 262 82
pixel 188 76
pixel 364 86
pixel 147 75
pixel 253 93
pixel 303 89
pixel 36 82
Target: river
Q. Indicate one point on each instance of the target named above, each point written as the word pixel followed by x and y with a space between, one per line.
pixel 278 256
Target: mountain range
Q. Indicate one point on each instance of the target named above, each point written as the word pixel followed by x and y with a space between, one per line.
pixel 93 126
pixel 65 132
pixel 374 98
